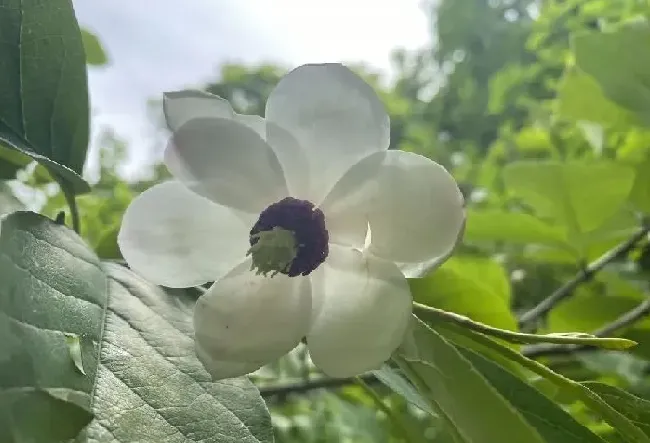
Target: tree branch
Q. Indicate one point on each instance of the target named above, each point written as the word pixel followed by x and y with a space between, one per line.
pixel 581 277
pixel 303 387
pixel 625 320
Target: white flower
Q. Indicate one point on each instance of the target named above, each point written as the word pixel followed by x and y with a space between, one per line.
pixel 355 218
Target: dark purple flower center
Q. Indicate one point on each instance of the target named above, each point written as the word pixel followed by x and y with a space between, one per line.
pixel 306 222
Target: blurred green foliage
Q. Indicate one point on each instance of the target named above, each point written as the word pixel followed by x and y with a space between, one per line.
pixel 550 145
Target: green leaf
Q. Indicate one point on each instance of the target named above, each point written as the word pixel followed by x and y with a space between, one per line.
pixel 475 409
pixel 50 285
pixel 580 98
pixel 476 287
pixel 624 76
pixel 634 408
pixel 107 247
pixel 466 338
pixel 74 346
pixel 596 304
pixel 595 136
pixel 640 195
pixel 39 415
pixel 95 54
pixel 629 432
pixel 565 191
pixel 512 227
pixel 148 384
pixel 11 162
pixel 43 85
pixel 552 422
pixel 394 380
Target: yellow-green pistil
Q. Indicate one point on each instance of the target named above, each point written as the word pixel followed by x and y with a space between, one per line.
pixel 273 251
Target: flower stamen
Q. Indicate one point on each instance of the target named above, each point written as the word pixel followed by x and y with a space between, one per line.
pixel 289 238
pixel 273 251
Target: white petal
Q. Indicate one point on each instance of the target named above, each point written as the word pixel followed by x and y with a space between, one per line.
pixel 347 207
pixel 334 115
pixel 180 107
pixel 293 159
pixel 255 122
pixel 413 205
pixel 176 238
pixel 416 270
pixel 362 308
pixel 249 318
pixel 227 162
pixel 220 369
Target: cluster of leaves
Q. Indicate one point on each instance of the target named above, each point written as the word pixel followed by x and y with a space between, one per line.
pixel 540 112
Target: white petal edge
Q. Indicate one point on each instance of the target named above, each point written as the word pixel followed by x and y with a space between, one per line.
pixel 413 206
pixel 293 159
pixel 347 206
pixel 291 156
pixel 222 369
pixel 362 309
pixel 176 238
pixel 255 122
pixel 227 162
pixel 417 270
pixel 334 115
pixel 179 107
pixel 250 318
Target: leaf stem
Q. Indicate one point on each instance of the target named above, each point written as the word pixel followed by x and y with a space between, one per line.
pixel 521 337
pixel 74 210
pixel 584 275
pixel 627 319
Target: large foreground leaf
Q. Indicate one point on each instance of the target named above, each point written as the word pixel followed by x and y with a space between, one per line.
pixel 634 408
pixel 550 420
pixel 474 410
pixel 100 340
pixel 400 385
pixel 43 86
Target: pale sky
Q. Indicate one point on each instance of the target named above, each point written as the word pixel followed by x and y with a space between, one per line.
pixel 160 45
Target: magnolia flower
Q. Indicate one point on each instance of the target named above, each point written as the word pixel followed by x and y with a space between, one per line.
pixel 304 220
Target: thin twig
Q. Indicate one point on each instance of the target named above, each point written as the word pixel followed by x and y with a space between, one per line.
pixel 322 383
pixel 581 277
pixel 627 319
